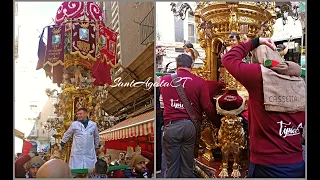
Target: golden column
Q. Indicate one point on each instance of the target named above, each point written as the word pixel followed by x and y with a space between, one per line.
pixel 71 99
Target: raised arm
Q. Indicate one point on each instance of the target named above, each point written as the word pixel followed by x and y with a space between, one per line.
pixel 20 172
pixel 245 73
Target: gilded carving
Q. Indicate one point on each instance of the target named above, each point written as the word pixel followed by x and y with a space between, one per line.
pixel 203 43
pixel 227 17
pixel 218 19
pixel 244 19
pixel 231 140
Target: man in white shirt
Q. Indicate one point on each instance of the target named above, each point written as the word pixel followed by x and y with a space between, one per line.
pixel 85 141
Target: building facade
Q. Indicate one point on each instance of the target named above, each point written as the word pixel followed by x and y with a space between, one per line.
pixel 172 33
pixel 29 83
pixel 42 131
pixel 289 29
pixel 134 21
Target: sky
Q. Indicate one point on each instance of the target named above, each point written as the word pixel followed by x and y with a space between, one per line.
pixel 30 84
pixel 32 18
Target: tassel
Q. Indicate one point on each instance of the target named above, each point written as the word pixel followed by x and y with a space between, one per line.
pixel 271 63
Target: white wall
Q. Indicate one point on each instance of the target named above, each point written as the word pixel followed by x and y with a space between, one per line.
pixel 165 21
pixel 18 143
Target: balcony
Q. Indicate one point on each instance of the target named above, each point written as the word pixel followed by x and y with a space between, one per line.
pixel 147 28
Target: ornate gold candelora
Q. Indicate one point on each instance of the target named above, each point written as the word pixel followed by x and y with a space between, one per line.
pixel 72 98
pixel 77 92
pixel 81 54
pixel 215 21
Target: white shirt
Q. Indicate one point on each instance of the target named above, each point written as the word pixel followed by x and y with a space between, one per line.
pixel 85 141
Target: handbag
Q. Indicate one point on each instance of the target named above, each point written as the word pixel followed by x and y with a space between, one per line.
pixel 187 105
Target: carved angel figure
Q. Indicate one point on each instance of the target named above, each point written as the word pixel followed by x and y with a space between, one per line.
pixel 81 102
pixel 78 75
pixel 97 110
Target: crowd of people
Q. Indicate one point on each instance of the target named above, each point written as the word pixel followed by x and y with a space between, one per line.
pixel 276 117
pixel 87 158
pixel 275 121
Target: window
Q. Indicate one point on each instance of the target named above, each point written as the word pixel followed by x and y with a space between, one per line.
pixel 179 50
pixel 192 35
pixel 178 28
pixel 178 33
pixel 33 109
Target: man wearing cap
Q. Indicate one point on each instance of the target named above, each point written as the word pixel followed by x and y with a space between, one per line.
pixel 33 162
pixel 137 168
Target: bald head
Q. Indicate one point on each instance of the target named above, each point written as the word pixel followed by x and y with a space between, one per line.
pixel 54 168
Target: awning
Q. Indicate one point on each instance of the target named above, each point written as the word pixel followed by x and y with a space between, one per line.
pixel 141 125
pixel 141 69
pixel 18 134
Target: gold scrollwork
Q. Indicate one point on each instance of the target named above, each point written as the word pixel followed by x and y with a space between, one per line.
pixel 203 43
pixel 244 19
pixel 227 17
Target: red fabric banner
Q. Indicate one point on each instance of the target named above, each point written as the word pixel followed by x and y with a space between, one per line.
pixel 26 147
pixel 101 73
pixel 84 39
pixel 79 10
pixel 55 46
pixel 106 56
pixel 108 39
pixel 57 74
